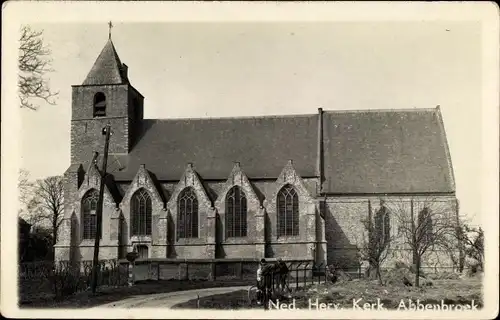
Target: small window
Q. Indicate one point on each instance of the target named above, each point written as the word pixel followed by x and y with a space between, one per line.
pixel 99 105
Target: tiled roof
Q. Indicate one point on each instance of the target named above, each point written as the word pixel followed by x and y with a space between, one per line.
pixel 403 151
pixel 377 151
pixel 262 145
pixel 107 69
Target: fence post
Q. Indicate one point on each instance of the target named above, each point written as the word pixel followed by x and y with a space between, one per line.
pixel 158 270
pixel 305 279
pixel 297 276
pixel 241 270
pixel 214 269
pixel 131 274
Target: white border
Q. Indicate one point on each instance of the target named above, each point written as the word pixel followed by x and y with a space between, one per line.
pixel 16 12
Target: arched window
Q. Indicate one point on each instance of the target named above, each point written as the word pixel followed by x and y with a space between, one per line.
pixel 383 225
pixel 141 211
pixel 89 207
pixel 424 228
pixel 288 212
pixel 236 213
pixel 187 215
pixel 99 105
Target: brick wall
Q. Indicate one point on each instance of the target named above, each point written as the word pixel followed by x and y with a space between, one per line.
pixel 334 239
pixel 123 104
pixel 345 232
pixel 203 246
pixel 71 243
pixel 157 241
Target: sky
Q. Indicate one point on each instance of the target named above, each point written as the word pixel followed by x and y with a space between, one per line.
pixel 215 69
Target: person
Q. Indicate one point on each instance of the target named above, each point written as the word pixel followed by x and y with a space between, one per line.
pixel 260 280
pixel 283 273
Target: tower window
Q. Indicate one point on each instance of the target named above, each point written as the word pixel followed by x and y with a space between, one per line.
pixel 99 105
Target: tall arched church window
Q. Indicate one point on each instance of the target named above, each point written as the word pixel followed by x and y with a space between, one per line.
pixel 236 213
pixel 424 227
pixel 141 212
pixel 187 215
pixel 89 207
pixel 288 212
pixel 383 225
pixel 99 105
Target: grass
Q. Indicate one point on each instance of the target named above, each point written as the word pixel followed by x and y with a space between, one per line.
pixel 111 294
pixel 450 291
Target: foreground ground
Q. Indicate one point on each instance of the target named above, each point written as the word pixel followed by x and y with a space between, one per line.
pixel 140 291
pixel 234 295
pixel 458 291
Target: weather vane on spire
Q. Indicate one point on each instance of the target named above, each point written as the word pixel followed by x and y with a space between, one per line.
pixel 110 25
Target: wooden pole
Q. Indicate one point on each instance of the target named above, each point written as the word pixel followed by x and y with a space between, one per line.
pixel 107 132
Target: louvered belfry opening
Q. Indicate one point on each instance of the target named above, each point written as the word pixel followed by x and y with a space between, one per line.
pixel 288 212
pixel 141 213
pixel 236 213
pixel 89 207
pixel 99 105
pixel 187 216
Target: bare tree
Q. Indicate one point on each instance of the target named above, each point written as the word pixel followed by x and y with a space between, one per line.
pixel 34 63
pixel 376 240
pixel 473 242
pixel 47 203
pixel 425 226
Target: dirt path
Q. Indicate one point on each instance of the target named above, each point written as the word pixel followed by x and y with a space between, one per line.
pixel 167 300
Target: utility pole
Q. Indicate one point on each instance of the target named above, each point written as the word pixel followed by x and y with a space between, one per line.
pixel 107 132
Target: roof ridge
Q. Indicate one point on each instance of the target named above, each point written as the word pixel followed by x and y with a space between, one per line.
pixel 414 109
pixel 234 117
pixel 277 116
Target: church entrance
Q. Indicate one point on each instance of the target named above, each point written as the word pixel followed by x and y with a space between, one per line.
pixel 143 251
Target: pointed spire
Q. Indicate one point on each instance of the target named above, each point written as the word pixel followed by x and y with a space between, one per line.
pixel 107 69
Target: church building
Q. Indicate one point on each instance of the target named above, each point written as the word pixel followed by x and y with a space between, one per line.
pixel 284 186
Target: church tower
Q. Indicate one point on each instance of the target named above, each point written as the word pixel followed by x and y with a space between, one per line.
pixel 106 96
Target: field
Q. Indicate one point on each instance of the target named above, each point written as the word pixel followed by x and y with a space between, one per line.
pixel 450 291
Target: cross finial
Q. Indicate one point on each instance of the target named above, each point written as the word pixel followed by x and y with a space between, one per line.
pixel 110 25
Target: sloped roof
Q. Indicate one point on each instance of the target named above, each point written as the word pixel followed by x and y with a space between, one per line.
pixel 107 69
pixel 393 151
pixel 364 152
pixel 262 145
